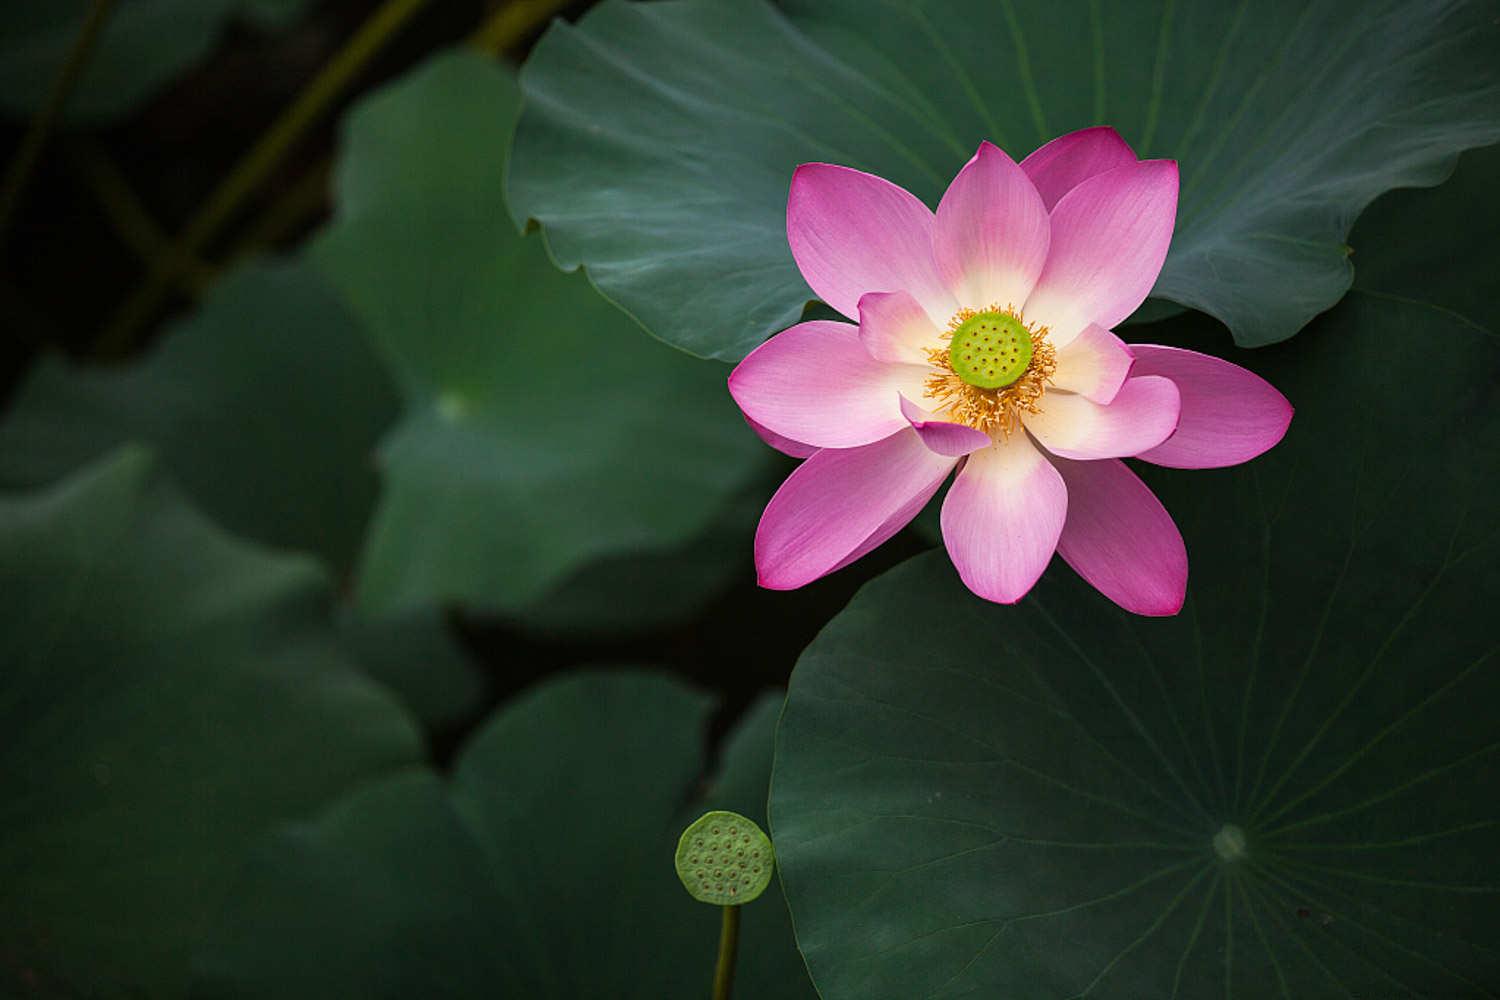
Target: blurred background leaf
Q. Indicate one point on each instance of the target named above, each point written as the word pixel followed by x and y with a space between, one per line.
pixel 659 139
pixel 1025 802
pixel 169 693
pixel 543 868
pixel 266 405
pixel 419 657
pixel 541 432
pixel 144 44
pixel 639 591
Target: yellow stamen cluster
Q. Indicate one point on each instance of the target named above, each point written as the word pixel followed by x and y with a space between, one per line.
pixel 994 411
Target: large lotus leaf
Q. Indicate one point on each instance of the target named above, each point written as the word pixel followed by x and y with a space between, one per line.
pixel 542 869
pixel 541 431
pixel 169 695
pixel 1288 790
pixel 659 139
pixel 266 405
pixel 144 44
pixel 1438 245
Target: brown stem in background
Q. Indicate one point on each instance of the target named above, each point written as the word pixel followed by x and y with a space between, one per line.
pixel 20 170
pixel 331 82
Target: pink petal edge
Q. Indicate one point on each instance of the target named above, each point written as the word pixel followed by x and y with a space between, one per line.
pixel 1094 365
pixel 1002 519
pixel 894 327
pixel 1142 415
pixel 785 445
pixel 852 232
pixel 991 234
pixel 1229 415
pixel 816 384
pixel 1109 240
pixel 1069 160
pixel 1121 539
pixel 841 500
pixel 892 524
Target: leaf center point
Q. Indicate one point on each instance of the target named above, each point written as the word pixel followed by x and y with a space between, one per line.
pixel 1230 843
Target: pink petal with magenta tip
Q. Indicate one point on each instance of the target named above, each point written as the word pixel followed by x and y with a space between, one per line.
pixel 991 236
pixel 1069 160
pixel 838 500
pixel 815 383
pixel 852 233
pixel 892 525
pixel 1109 239
pixel 1229 415
pixel 1121 539
pixel 1002 518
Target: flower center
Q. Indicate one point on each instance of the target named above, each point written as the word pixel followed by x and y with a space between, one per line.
pixel 995 367
pixel 990 349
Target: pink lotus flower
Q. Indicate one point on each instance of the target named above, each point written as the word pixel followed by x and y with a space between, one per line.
pixel 984 344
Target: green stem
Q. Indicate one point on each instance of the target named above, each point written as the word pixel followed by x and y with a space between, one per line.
pixel 503 30
pixel 729 946
pixel 331 82
pixel 125 213
pixel 21 167
pixel 511 23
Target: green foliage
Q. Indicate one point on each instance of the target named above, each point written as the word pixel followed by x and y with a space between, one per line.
pixel 169 694
pixel 1439 246
pixel 269 402
pixel 144 44
pixel 541 432
pixel 638 591
pixel 542 869
pixel 418 656
pixel 266 405
pixel 1285 791
pixel 659 139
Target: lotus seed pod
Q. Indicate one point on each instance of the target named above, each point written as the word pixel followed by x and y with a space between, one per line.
pixel 990 350
pixel 724 859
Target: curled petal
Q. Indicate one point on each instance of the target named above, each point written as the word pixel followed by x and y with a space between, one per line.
pixel 1109 239
pixel 852 233
pixel 1229 415
pixel 1094 364
pixel 1069 160
pixel 1121 539
pixel 991 236
pixel 1141 416
pixel 894 327
pixel 840 503
pixel 1002 518
pixel 953 440
pixel 815 383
